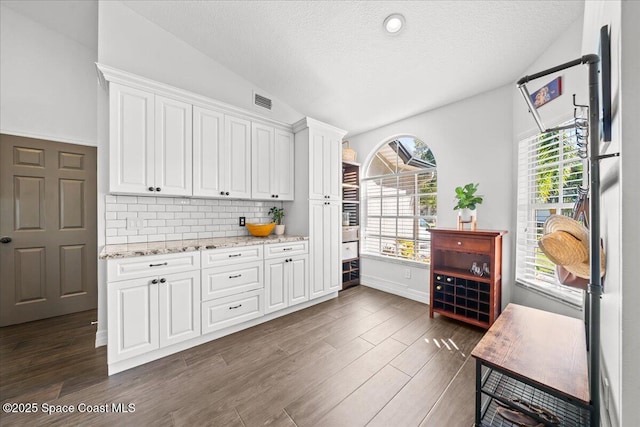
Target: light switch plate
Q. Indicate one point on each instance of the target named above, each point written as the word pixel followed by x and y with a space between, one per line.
pixel 135 223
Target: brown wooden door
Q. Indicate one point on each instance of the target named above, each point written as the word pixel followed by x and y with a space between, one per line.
pixel 48 211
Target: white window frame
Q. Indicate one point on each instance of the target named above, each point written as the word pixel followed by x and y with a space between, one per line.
pixel 533 269
pixel 367 216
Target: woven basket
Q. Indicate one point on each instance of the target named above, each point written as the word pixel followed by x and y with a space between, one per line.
pixel 348 154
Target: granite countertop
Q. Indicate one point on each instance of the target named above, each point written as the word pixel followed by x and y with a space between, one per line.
pixel 176 246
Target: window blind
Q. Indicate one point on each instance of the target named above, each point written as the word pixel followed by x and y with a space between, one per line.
pixel 549 175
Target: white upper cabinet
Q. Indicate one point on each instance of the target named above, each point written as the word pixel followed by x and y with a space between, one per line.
pixel 131 147
pixel 150 143
pixel 208 140
pixel 169 141
pixel 324 165
pixel 221 155
pixel 272 163
pixel 173 145
pixel 284 164
pixel 236 155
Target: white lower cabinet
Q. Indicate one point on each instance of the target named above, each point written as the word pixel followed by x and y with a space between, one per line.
pixel 179 311
pixel 286 282
pixel 161 304
pixel 221 313
pixel 133 318
pixel 324 237
pixel 152 312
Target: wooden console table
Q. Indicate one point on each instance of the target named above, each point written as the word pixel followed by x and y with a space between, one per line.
pixel 534 362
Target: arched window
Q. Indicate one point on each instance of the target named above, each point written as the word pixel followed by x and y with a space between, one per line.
pixel 400 203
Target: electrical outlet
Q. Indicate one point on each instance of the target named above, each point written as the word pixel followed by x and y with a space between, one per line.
pixel 242 221
pixel 407 273
pixel 183 201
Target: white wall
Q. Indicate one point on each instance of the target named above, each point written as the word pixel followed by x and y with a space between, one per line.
pixel 132 43
pixel 620 201
pixel 574 81
pixel 472 142
pixel 47 82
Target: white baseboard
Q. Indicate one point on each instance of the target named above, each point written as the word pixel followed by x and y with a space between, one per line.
pixel 101 338
pixel 394 288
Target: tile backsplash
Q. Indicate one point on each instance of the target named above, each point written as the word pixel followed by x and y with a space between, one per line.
pixel 178 218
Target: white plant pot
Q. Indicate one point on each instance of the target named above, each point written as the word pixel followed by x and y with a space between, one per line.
pixel 279 230
pixel 466 214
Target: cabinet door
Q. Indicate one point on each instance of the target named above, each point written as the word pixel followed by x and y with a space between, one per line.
pixel 283 165
pixel 236 164
pixel 131 140
pixel 275 285
pixel 299 280
pixel 332 242
pixel 262 155
pixel 317 165
pixel 173 145
pixel 179 308
pixel 316 248
pixel 133 318
pixel 324 166
pixel 208 137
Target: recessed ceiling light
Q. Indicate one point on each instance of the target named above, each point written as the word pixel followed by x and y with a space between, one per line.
pixel 394 23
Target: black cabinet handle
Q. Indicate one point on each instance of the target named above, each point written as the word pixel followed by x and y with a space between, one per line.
pixel 234 255
pixel 287 249
pixel 276 196
pixel 227 193
pixel 158 265
pixel 158 189
pixel 222 193
pixel 5 239
pixel 154 281
pixel 163 280
pixel 235 306
pixel 151 189
pixel 235 276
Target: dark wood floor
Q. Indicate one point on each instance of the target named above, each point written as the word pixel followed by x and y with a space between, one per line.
pixel 364 358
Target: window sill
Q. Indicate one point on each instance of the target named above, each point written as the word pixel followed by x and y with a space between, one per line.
pixel 407 262
pixel 569 299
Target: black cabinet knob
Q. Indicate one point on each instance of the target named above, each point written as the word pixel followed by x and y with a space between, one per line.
pixel 5 239
pixel 157 188
pixel 151 189
pixel 154 281
pixel 227 193
pixel 163 280
pixel 276 196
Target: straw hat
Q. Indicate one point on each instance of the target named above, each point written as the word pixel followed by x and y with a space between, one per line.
pixel 566 242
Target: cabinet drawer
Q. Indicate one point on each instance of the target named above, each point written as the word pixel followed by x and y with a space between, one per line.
pixel 224 312
pixel 462 244
pixel 220 282
pixel 152 265
pixel 278 250
pixel 228 256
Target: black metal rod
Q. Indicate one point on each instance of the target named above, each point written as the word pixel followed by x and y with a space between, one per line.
pixel 586 59
pixel 595 288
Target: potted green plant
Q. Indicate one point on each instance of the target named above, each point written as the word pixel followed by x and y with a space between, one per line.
pixel 467 201
pixel 277 214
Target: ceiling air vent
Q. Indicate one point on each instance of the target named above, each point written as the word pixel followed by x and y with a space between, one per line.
pixel 261 101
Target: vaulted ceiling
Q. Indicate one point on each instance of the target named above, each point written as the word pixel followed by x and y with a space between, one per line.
pixel 333 61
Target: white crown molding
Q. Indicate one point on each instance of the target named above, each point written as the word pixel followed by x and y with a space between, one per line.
pixel 308 122
pixel 107 74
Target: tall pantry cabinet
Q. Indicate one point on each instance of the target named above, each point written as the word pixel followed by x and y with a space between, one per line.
pixel 316 211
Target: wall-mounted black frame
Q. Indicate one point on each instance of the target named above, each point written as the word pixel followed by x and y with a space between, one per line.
pixel 605 83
